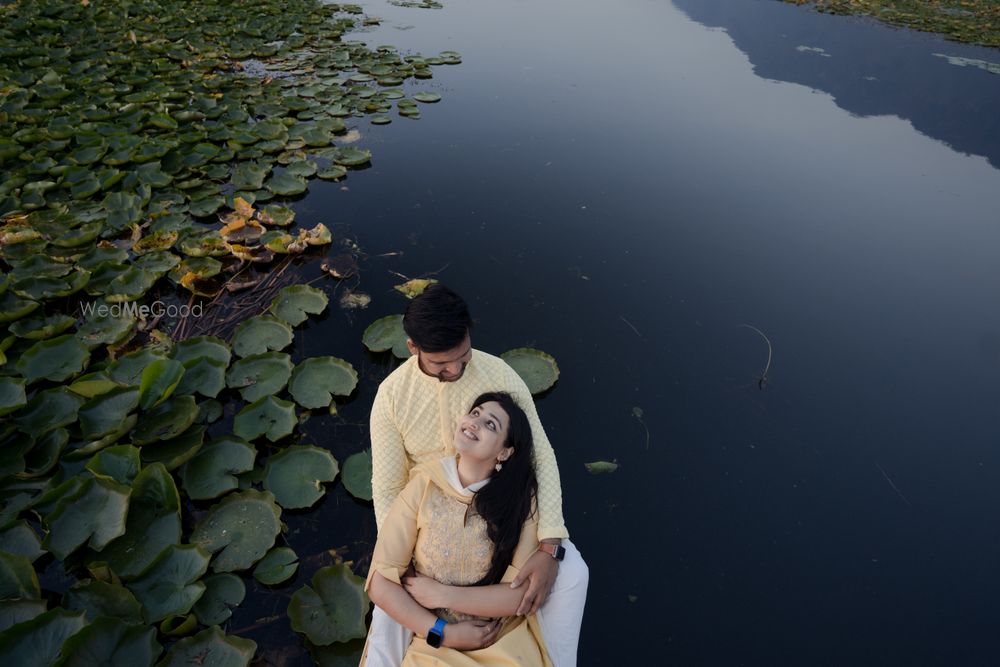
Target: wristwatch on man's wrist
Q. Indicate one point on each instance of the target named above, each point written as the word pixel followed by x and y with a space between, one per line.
pixel 436 634
pixel 557 551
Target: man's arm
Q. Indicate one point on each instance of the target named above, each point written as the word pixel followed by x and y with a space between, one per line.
pixel 389 461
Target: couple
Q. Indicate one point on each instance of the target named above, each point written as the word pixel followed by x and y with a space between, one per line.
pixel 472 565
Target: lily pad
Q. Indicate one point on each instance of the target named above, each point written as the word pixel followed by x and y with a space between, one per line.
pixel 105 330
pixel 158 381
pixel 36 643
pixel 349 156
pixel 100 598
pixel 117 464
pixel 17 611
pixel 212 471
pixel 20 539
pixel 260 375
pixel 48 410
pixel 387 333
pixel 175 452
pixel 414 287
pixel 295 475
pixel 165 421
pixel 538 369
pixel 276 567
pixel 427 98
pixel 170 585
pixel 40 328
pixel 268 416
pixel 205 360
pixel 357 475
pixel 317 379
pixel 128 369
pixel 222 592
pixel 110 641
pixel 105 413
pixel 95 512
pixel 56 359
pixel 241 529
pixel 17 577
pixel 153 523
pixel 601 467
pixel 287 184
pixel 333 609
pixel 293 303
pixel 210 648
pixel 12 395
pixel 261 334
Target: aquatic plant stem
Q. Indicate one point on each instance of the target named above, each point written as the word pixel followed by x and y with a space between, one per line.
pixel 762 380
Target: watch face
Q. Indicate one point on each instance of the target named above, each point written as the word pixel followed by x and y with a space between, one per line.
pixel 434 639
pixel 560 553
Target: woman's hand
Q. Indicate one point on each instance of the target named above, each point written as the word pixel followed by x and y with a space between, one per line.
pixel 428 592
pixel 471 635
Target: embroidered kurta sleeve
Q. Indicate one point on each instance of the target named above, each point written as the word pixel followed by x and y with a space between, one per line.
pixel 550 515
pixel 395 544
pixel 390 468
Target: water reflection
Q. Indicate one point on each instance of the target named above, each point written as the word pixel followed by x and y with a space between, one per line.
pixel 946 89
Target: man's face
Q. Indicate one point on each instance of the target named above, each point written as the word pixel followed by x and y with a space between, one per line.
pixel 446 366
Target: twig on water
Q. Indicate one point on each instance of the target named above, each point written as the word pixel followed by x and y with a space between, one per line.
pixel 637 413
pixel 630 325
pixel 762 380
pixel 892 484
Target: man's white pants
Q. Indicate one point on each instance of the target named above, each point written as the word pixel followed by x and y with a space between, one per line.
pixel 560 618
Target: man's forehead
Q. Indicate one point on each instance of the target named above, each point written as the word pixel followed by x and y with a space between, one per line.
pixel 450 355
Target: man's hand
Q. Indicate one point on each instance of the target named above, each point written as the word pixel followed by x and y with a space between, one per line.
pixel 428 592
pixel 471 635
pixel 540 572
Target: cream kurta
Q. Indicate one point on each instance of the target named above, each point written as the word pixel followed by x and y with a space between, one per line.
pixel 433 526
pixel 415 416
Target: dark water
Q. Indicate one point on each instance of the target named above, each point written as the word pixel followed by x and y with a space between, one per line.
pixel 623 186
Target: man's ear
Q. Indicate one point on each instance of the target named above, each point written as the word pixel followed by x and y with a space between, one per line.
pixel 412 347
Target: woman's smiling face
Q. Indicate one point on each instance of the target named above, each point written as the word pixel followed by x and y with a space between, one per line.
pixel 482 433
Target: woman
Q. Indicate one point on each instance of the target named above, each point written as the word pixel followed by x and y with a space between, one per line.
pixel 465 524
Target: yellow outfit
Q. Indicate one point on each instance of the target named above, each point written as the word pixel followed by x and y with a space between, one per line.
pixel 432 525
pixel 415 416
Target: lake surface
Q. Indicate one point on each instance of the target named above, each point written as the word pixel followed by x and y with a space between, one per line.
pixel 623 186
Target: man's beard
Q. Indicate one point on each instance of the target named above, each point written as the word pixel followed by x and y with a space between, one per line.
pixel 444 378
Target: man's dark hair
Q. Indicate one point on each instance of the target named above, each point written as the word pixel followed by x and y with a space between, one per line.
pixel 437 320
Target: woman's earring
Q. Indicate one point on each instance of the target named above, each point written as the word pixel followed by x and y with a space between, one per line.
pixel 498 466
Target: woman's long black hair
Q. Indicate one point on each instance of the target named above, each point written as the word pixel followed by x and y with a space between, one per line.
pixel 505 503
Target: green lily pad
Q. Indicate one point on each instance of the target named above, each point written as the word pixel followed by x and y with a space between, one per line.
pixel 41 288
pixel 241 528
pixel 268 416
pixel 276 567
pixel 212 471
pixel 153 523
pixel 36 643
pixel 170 585
pixel 296 474
pixel 56 359
pixel 261 334
pixel 222 592
pixel 332 173
pixel 205 360
pixel 427 98
pixel 293 303
pixel 538 369
pixel 303 168
pixel 387 333
pixel 105 330
pixel 100 598
pixel 260 375
pixel 352 157
pixel 13 307
pixel 40 328
pixel 159 379
pixel 210 648
pixel 333 609
pixel 105 413
pixel 357 475
pixel 287 184
pixel 110 641
pixel 44 455
pixel 128 369
pixel 130 285
pixel 165 421
pixel 17 577
pixel 207 206
pixel 601 467
pixel 20 539
pixel 17 611
pixel 273 214
pixel 315 379
pixel 48 410
pixel 117 464
pixel 175 452
pixel 381 119
pixel 95 512
pixel 250 175
pixel 12 396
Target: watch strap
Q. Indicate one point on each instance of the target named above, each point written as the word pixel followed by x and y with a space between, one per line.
pixel 436 634
pixel 557 551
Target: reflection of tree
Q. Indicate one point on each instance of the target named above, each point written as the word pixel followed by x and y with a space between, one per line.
pixel 872 69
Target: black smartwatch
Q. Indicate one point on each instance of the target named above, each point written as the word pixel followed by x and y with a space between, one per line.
pixel 557 551
pixel 436 634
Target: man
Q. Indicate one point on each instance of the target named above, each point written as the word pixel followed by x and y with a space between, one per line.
pixel 415 412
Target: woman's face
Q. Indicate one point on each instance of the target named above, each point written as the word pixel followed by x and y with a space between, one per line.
pixel 482 433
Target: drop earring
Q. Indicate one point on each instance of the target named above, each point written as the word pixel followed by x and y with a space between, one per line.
pixel 498 467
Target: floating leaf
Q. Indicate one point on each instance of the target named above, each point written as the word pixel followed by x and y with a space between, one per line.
pixel 357 475
pixel 17 611
pixel 36 643
pixel 601 467
pixel 205 360
pixel 20 539
pixel 222 592
pixel 277 566
pixel 105 413
pixel 100 598
pixel 170 585
pixel 212 471
pixel 385 334
pixel 295 475
pixel 165 421
pixel 538 369
pixel 117 464
pixel 352 300
pixel 159 379
pixel 316 378
pixel 174 452
pixel 241 529
pixel 110 641
pixel 210 648
pixel 333 609
pixel 268 416
pixel 352 157
pixel 287 184
pixel 17 577
pixel 40 328
pixel 414 287
pixel 95 512
pixel 128 369
pixel 261 334
pixel 427 98
pixel 293 303
pixel 56 359
pixel 12 395
pixel 260 375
